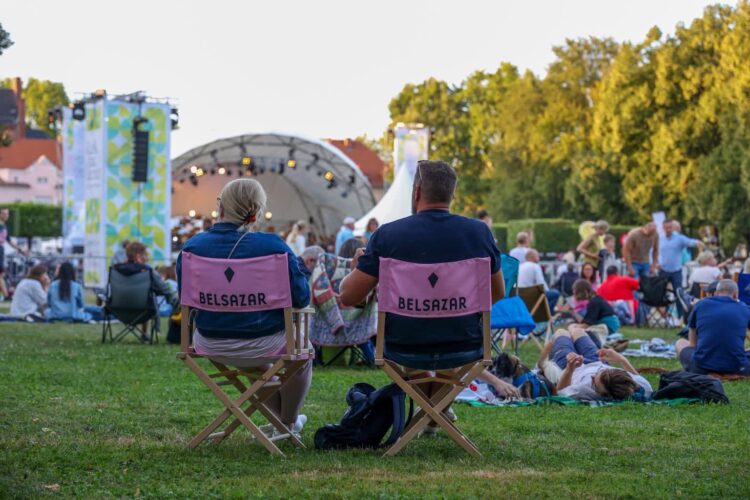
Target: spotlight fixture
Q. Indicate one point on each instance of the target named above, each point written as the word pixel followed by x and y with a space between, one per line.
pixel 291 163
pixel 315 159
pixel 79 110
pixel 345 194
pixel 328 176
pixel 193 169
pixel 214 214
pixel 262 170
pixel 193 180
pixel 191 213
pixel 269 215
pixel 281 168
pixel 352 179
pixel 174 118
pixel 246 161
pixel 199 172
pixel 222 170
pixel 212 171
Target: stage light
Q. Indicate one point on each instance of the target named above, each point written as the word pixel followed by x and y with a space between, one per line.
pixel 199 172
pixel 262 170
pixel 352 179
pixel 214 214
pixel 291 163
pixel 281 168
pixel 315 159
pixel 193 180
pixel 328 176
pixel 174 118
pixel 222 170
pixel 345 194
pixel 269 215
pixel 193 169
pixel 246 161
pixel 175 239
pixel 79 110
pixel 191 213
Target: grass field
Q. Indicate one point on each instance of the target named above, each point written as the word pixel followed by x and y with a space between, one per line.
pixel 78 418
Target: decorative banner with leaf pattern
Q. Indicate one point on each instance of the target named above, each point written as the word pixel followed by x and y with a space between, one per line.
pixel 74 193
pixel 116 208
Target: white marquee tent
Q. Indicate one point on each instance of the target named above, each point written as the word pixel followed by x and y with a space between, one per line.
pixel 395 204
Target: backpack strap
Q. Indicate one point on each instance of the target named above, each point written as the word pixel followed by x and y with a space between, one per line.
pixel 399 422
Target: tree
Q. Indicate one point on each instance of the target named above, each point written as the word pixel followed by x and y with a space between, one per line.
pixel 41 96
pixel 5 41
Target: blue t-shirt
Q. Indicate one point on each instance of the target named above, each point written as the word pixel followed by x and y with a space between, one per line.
pixel 429 237
pixel 217 242
pixel 671 251
pixel 721 323
pixel 344 234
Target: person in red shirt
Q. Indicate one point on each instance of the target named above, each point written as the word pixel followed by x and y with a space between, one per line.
pixel 617 287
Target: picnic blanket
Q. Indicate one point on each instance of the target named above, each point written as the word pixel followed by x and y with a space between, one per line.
pixel 654 348
pixel 334 324
pixel 480 395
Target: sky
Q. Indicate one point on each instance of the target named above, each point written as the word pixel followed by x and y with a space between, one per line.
pixel 321 68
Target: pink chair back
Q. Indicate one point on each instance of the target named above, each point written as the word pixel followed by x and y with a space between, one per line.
pixel 235 285
pixel 435 290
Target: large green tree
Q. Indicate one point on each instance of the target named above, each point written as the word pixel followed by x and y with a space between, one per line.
pixel 5 41
pixel 41 96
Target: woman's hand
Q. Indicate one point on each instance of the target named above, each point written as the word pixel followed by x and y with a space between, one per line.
pixel 610 356
pixel 574 361
pixel 506 390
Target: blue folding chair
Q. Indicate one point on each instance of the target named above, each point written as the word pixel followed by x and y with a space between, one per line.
pixel 509 314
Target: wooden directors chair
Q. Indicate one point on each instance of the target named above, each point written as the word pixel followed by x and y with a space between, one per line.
pixel 434 291
pixel 243 285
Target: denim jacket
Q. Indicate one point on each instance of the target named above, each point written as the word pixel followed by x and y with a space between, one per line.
pixel 217 242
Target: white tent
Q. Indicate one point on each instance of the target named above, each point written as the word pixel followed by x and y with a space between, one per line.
pixel 304 178
pixel 395 204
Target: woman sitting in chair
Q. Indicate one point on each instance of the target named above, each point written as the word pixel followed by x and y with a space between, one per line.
pixel 230 337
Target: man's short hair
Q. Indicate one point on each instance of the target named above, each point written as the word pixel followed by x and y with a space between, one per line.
pixel 482 214
pixel 727 287
pixel 134 249
pixel 609 237
pixel 522 237
pixel 612 270
pixel 437 180
pixel 618 384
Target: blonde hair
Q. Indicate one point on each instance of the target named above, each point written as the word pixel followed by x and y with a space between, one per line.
pixel 296 228
pixel 241 200
pixel 705 257
pixel 522 237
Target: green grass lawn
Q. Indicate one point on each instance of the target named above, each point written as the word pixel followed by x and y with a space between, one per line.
pixel 78 418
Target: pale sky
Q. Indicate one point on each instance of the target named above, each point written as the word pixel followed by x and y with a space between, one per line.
pixel 320 68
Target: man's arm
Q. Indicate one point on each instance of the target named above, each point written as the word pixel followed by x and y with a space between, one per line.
pixel 582 246
pixel 502 387
pixel 497 283
pixel 655 255
pixel 160 287
pixel 612 356
pixel 355 287
pixel 626 256
pixel 574 361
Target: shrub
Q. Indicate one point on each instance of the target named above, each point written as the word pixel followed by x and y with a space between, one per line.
pixel 550 235
pixel 28 220
pixel 500 231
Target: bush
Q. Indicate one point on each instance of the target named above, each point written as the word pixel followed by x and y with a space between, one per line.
pixel 500 230
pixel 28 220
pixel 550 235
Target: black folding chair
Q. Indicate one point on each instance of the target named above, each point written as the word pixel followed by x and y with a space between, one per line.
pixel 130 300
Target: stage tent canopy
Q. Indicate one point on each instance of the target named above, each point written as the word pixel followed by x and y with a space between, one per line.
pixel 305 179
pixel 395 204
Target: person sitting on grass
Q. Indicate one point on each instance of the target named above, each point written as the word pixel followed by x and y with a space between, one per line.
pixel 717 326
pixel 586 371
pixel 169 275
pixel 240 339
pixel 598 311
pixel 30 297
pixel 432 235
pixel 65 298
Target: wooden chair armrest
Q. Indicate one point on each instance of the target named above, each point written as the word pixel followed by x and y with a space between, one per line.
pixel 304 310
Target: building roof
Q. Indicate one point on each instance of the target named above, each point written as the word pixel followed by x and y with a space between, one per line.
pixel 22 153
pixel 366 159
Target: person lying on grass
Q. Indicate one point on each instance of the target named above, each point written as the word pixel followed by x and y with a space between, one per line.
pixel 598 310
pixel 586 371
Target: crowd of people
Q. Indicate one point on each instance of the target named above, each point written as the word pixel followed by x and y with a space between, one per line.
pixel 343 284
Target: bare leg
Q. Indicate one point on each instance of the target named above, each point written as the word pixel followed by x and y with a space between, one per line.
pixel 680 345
pixel 3 290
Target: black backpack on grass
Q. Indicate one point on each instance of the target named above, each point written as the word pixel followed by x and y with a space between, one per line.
pixel 681 384
pixel 364 425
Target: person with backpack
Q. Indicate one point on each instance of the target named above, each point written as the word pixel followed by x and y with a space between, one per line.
pixel 716 336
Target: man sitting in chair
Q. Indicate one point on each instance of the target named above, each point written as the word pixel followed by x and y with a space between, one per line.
pixel 431 235
pixel 137 257
pixel 716 338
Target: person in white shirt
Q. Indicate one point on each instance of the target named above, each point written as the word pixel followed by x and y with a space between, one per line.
pixel 530 274
pixel 706 272
pixel 30 296
pixel 296 238
pixel 586 371
pixel 522 242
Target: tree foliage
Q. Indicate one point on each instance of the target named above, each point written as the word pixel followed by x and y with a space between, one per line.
pixel 612 130
pixel 5 41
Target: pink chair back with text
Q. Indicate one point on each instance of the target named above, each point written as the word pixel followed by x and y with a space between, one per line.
pixel 435 290
pixel 235 285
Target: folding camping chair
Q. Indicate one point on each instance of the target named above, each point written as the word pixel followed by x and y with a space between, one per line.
pixel 509 315
pixel 451 289
pixel 130 300
pixel 536 301
pixel 660 301
pixel 244 285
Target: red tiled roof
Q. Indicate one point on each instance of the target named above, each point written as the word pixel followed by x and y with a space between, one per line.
pixel 24 152
pixel 366 159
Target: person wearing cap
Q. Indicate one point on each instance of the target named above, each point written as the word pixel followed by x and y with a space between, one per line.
pixel 346 232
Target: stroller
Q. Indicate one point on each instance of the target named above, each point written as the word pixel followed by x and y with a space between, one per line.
pixel 658 303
